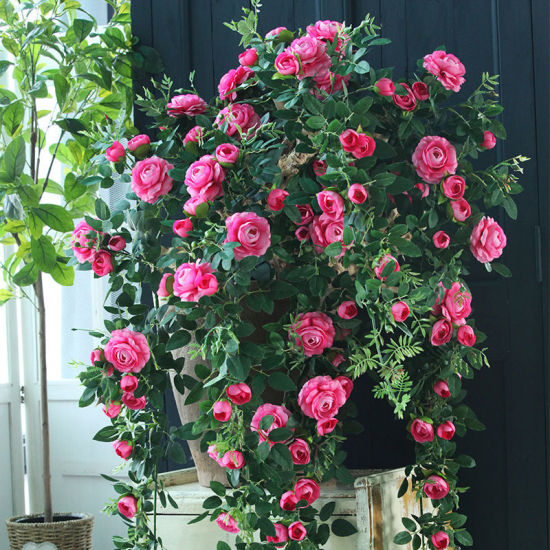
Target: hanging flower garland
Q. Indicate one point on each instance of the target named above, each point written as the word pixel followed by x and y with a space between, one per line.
pixel 335 204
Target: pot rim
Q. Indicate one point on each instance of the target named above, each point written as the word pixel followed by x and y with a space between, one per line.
pixel 77 518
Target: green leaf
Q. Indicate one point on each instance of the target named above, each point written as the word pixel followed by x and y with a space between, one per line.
pixel 327 510
pixel 106 434
pixel 465 461
pixel 54 216
pixel 403 537
pixel 385 178
pixel 82 28
pixel 281 381
pixel 61 89
pixel 71 125
pixel 63 274
pixel 409 524
pixel 343 528
pixel 212 502
pixel 403 488
pixel 27 275
pixel 176 453
pixel 13 116
pixel 280 434
pixel 5 295
pixel 501 269
pixel 266 527
pixel 218 488
pixel 464 538
pixel 72 187
pixel 281 290
pixel 334 249
pixel 263 450
pixel 266 422
pixel 14 158
pixel 43 253
pixel 315 122
pixel 223 545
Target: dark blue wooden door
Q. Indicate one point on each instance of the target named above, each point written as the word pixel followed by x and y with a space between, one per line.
pixel 508 501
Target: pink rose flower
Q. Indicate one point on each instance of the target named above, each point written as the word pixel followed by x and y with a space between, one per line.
pixel 319 167
pixel 251 231
pixel 84 241
pixel 150 179
pixel 436 487
pixel 446 430
pixel 357 193
pixel 297 531
pixel 248 57
pixel 326 426
pixel 109 371
pixel 193 135
pixel 115 152
pixel 127 506
pixel 453 187
pixel 406 102
pixel 204 178
pixel 461 210
pixel 329 31
pixel 117 243
pixel 447 68
pixel 190 206
pixel 222 410
pixel 234 460
pixel 299 450
pixel 365 147
pixel 349 140
pixel 212 452
pixel 325 231
pixel 420 91
pixel 422 432
pixel 424 189
pixel 286 63
pixel 182 227
pixel 441 239
pixel 308 490
pixel 239 393
pixel 456 305
pixel 385 87
pixel 347 310
pixel 166 285
pixel 113 410
pixel 321 397
pixel 95 356
pixel 400 311
pixel 288 501
pixel 489 140
pixel 227 523
pixel 466 335
pixel 232 80
pixel 312 54
pixel 314 332
pixel 440 540
pixel 303 233
pixel 382 263
pixel 442 331
pixel 133 402
pixel 227 154
pixel 332 204
pixel 123 449
pixel 101 263
pixel 306 212
pixel 275 32
pixel 193 281
pixel 434 158
pixel 347 385
pixel 441 388
pixel 127 350
pixel 186 104
pixel 240 118
pixel 129 383
pixel 280 416
pixel 138 141
pixel 338 360
pixel 487 240
pixel 276 199
pixel 281 535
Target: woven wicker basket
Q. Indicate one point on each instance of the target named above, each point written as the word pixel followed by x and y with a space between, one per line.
pixel 66 534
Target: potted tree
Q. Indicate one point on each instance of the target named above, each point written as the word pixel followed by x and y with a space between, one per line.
pixel 67 76
pixel 350 193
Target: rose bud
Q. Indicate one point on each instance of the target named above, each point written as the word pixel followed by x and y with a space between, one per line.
pixel 248 57
pixel 281 535
pixel 166 285
pixel 441 239
pixel 357 193
pixel 400 311
pixel 117 243
pixel 466 335
pixel 182 227
pixel 227 523
pixel 296 531
pixel 227 154
pixel 140 146
pixel 347 310
pixel 461 210
pixel 489 140
pixel 234 460
pixel 95 356
pixel 420 91
pixel 440 540
pixel 436 487
pixel 129 383
pixel 239 393
pixel 299 451
pixel 442 331
pixel 288 501
pixel 307 489
pixel 113 410
pixel 453 187
pixel 276 199
pixel 446 430
pixel 385 87
pixel 127 506
pixel 324 427
pixel 115 152
pixel 442 389
pixel 222 410
pixel 123 449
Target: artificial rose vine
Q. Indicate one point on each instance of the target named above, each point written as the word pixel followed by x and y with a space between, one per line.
pixel 294 198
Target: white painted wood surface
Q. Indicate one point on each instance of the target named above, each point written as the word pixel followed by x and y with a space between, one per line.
pixel 372 506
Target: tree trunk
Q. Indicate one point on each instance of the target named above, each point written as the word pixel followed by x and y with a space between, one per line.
pixel 46 472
